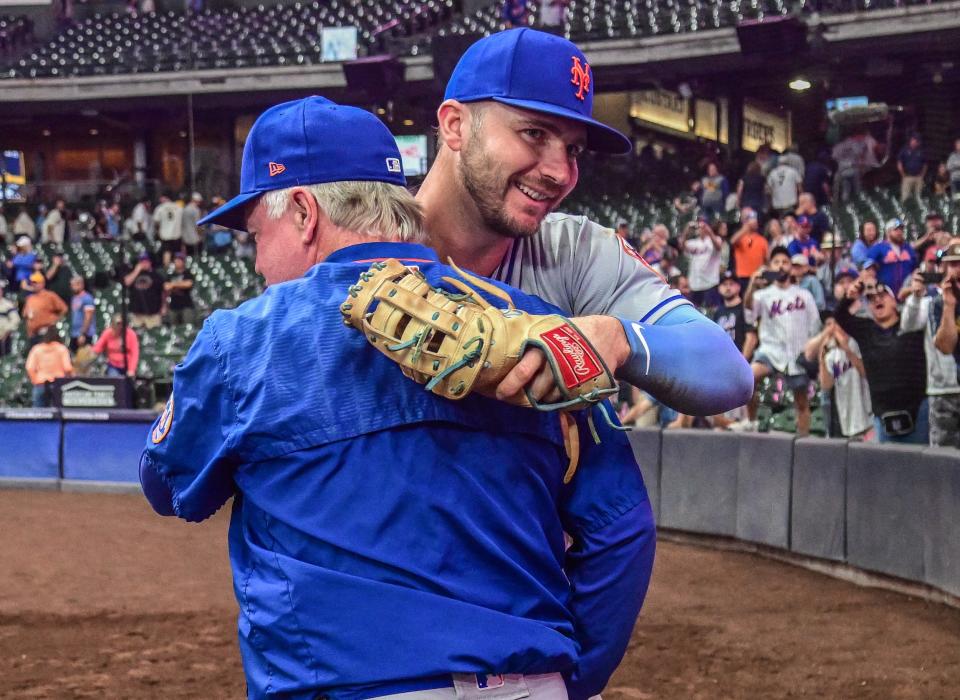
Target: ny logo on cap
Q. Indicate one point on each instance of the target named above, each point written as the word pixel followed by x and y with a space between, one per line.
pixel 276 168
pixel 580 77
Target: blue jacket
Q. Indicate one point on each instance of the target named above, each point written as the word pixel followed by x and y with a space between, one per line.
pixel 382 535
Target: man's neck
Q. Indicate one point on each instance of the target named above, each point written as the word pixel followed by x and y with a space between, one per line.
pixel 735 301
pixel 889 323
pixel 455 228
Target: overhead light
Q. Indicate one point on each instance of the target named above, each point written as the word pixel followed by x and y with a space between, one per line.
pixel 381 111
pixel 94 132
pixel 183 134
pixel 45 132
pixel 408 122
pixel 800 84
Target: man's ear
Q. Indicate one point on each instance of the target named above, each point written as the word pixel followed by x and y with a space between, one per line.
pixel 452 123
pixel 306 214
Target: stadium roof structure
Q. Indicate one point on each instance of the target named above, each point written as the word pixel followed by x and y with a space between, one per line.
pixel 619 62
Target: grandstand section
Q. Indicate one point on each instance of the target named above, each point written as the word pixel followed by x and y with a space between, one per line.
pixel 224 281
pixel 220 281
pixel 282 34
pixel 286 35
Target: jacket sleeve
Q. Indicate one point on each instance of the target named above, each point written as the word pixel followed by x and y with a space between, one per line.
pixel 188 464
pixel 606 511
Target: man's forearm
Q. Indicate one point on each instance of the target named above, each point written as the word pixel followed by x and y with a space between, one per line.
pixel 687 362
pixel 749 345
pixel 946 338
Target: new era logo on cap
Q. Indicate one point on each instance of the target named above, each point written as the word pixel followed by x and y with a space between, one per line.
pixel 393 165
pixel 276 168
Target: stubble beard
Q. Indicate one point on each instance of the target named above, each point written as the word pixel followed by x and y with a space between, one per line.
pixel 480 178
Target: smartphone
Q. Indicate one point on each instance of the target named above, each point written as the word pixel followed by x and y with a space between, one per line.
pixel 932 277
pixel 771 276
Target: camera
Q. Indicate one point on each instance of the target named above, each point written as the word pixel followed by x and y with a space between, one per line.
pixel 932 277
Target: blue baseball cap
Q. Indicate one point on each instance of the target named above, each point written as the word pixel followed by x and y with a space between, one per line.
pixel 308 142
pixel 537 71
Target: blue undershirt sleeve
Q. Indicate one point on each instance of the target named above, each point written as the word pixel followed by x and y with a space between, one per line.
pixel 688 362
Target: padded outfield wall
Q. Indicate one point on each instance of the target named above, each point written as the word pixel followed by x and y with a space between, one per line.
pixel 892 510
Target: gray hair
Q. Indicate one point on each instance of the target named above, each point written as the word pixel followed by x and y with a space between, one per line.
pixel 376 209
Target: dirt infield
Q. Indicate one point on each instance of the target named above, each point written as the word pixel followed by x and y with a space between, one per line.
pixel 99 598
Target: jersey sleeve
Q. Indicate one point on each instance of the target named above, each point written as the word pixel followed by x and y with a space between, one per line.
pixel 610 278
pixel 187 466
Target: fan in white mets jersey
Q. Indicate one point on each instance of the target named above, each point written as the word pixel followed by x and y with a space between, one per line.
pixel 516 115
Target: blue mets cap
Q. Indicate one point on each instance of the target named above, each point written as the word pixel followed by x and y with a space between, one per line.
pixel 308 142
pixel 537 71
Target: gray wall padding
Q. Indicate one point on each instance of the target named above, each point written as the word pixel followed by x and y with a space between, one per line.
pixel 938 478
pixel 646 448
pixel 818 505
pixel 885 528
pixel 763 488
pixel 698 481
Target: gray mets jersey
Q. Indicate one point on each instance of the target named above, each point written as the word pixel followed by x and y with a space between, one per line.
pixel 787 319
pixel 587 269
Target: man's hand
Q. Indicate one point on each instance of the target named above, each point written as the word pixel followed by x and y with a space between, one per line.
pixel 917 287
pixel 856 289
pixel 606 335
pixel 949 294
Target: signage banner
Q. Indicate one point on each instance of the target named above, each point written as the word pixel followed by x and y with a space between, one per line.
pixel 662 108
pixel 92 392
pixel 413 153
pixel 762 125
pixel 705 114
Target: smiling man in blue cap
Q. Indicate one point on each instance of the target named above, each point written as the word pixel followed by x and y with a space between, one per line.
pixel 385 542
pixel 517 113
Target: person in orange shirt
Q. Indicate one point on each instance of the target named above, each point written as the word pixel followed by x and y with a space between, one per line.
pixel 43 308
pixel 749 247
pixel 110 342
pixel 47 361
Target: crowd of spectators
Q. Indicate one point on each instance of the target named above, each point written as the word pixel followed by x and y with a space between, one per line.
pixel 866 329
pixel 42 294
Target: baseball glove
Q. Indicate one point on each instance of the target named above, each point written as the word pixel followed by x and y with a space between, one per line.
pixel 458 343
